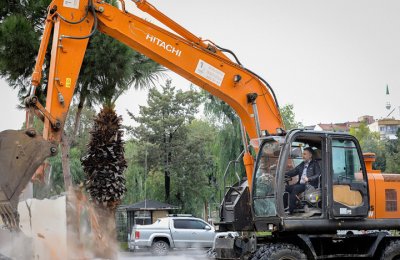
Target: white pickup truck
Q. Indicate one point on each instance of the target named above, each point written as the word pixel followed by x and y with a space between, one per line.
pixel 172 232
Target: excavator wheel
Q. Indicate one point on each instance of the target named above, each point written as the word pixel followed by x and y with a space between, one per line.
pixel 21 153
pixel 279 251
pixel 392 251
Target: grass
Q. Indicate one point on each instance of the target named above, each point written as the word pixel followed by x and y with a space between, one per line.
pixel 123 246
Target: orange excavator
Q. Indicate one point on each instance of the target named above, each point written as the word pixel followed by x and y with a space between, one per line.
pixel 348 196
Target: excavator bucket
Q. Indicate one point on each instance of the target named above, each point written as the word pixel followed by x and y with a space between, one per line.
pixel 21 153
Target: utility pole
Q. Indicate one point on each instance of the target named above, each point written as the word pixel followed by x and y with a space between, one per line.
pixel 145 175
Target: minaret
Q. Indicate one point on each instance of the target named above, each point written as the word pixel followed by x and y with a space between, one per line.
pixel 388 105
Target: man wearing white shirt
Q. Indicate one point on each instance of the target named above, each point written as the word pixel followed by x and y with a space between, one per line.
pixel 308 172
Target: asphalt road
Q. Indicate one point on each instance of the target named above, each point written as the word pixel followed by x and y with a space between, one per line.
pixel 184 254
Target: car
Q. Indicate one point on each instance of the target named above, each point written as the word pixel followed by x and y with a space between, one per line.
pixel 172 232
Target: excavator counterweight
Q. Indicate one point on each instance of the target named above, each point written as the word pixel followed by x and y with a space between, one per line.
pixel 21 153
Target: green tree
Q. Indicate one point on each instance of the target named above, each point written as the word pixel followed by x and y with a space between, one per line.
pixel 370 143
pixel 17 39
pixel 162 124
pixel 393 155
pixel 21 24
pixel 192 183
pixel 288 116
pixel 4 9
pixel 228 143
pixel 134 174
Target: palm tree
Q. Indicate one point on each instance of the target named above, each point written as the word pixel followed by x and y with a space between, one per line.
pixel 104 163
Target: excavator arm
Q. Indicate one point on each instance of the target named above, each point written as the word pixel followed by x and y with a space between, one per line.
pixel 72 23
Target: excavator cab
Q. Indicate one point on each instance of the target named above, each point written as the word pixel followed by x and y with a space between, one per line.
pixel 339 192
pixel 309 200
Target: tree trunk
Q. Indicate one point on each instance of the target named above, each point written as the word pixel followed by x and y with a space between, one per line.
pixel 77 122
pixel 65 162
pixel 167 182
pixel 105 233
pixel 167 177
pixel 206 211
pixel 74 206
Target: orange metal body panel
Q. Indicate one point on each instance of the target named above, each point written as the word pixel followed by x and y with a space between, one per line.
pixel 66 60
pixel 37 74
pixel 378 184
pixel 188 57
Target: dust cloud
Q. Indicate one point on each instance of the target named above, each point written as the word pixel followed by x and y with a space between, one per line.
pixel 62 228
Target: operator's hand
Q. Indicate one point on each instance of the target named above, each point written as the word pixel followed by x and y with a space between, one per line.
pixel 305 179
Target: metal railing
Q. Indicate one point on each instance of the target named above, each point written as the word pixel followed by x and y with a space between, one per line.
pixel 234 163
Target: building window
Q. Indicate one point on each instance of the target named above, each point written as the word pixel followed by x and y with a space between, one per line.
pixel 142 217
pixel 391 200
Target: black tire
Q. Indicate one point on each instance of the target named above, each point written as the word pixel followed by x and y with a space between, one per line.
pixel 160 248
pixel 279 252
pixel 392 251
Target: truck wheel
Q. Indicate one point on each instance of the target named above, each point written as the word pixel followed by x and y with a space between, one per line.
pixel 392 251
pixel 160 248
pixel 279 252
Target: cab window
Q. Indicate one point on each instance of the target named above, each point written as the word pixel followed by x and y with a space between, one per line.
pixel 265 179
pixel 345 162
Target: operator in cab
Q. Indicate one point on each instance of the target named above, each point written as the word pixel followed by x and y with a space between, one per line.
pixel 308 172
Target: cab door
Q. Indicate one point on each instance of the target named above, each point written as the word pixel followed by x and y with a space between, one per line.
pixel 348 196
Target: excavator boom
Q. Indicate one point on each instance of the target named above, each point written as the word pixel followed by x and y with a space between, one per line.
pixel 72 23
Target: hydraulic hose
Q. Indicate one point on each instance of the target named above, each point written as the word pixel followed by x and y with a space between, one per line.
pixel 93 10
pixel 260 78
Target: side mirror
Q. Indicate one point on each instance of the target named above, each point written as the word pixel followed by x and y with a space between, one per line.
pixel 207 228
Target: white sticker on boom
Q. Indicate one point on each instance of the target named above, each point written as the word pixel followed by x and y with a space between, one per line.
pixel 71 3
pixel 209 72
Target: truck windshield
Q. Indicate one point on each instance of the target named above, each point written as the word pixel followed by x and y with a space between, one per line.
pixel 265 179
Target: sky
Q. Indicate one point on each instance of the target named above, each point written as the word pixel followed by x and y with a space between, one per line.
pixel 331 59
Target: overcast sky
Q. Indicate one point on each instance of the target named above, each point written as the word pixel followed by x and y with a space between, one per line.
pixel 330 59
